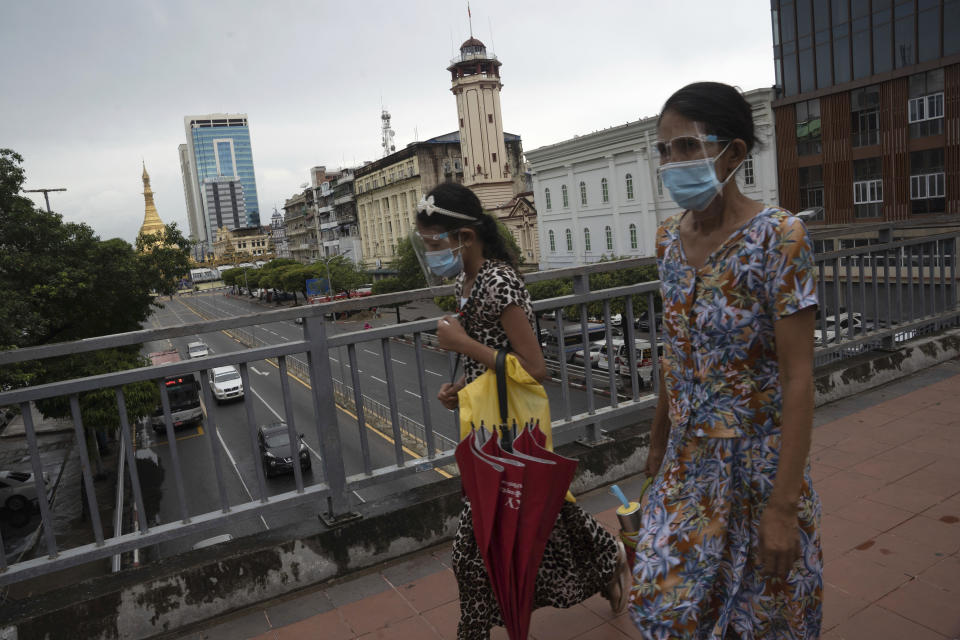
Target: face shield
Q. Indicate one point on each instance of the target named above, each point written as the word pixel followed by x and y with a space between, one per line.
pixel 439 253
pixel 688 167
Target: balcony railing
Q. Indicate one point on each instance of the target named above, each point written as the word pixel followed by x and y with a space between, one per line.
pixel 870 298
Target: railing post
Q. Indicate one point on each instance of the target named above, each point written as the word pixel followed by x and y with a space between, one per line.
pixel 884 236
pixel 592 434
pixel 328 429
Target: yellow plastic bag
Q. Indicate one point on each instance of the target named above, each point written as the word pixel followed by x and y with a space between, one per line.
pixel 526 401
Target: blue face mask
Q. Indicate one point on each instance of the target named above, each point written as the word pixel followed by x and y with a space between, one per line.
pixel 444 263
pixel 693 184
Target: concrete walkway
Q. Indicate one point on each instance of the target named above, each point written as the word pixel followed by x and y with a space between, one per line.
pixel 886 464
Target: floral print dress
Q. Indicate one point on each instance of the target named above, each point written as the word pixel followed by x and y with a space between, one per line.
pixel 696 573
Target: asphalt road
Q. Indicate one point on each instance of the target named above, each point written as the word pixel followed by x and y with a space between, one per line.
pixel 194 446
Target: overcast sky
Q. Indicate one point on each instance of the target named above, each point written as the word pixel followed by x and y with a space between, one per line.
pixel 98 85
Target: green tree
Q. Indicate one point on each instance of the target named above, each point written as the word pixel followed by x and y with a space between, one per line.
pixel 167 254
pixel 61 282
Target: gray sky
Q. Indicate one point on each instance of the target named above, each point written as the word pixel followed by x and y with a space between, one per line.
pixel 98 85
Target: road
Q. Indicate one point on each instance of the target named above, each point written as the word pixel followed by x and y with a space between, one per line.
pixel 240 478
pixel 239 458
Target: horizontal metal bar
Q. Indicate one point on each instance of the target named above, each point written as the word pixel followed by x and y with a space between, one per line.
pixel 867 250
pixel 878 334
pixel 140 374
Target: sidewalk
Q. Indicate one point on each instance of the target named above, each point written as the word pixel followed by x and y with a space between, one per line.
pixel 886 464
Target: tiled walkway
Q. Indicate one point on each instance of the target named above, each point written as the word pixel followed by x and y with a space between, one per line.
pixel 886 464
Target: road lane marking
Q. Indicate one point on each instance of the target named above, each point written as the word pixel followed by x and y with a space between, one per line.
pixel 415 395
pixel 269 408
pixel 378 379
pixel 373 353
pixel 160 443
pixel 239 475
pixel 407 450
pixel 398 362
pixel 258 372
pixel 434 373
pixel 334 359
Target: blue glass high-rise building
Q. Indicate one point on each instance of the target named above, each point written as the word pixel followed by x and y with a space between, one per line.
pixel 218 147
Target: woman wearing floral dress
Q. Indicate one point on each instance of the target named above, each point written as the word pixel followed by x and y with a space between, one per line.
pixel 729 544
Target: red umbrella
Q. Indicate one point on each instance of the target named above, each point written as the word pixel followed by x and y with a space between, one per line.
pixel 545 483
pixel 477 472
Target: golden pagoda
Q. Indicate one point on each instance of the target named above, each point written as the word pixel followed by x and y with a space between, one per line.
pixel 151 219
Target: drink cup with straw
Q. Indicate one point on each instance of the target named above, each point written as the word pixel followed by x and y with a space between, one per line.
pixel 628 513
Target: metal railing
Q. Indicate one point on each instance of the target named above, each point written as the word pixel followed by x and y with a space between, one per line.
pixel 883 301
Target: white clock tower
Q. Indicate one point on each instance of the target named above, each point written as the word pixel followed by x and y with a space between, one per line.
pixel 476 84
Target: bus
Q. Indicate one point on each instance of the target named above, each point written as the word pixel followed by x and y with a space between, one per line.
pixel 183 392
pixel 572 340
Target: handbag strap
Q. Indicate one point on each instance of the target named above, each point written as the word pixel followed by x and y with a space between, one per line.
pixel 501 370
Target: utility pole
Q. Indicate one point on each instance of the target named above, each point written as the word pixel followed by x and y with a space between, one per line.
pixel 45 193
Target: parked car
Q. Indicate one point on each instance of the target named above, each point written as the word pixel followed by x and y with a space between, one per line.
pixel 226 383
pixel 18 490
pixel 197 350
pixel 594 354
pixel 643 321
pixel 859 326
pixel 621 359
pixel 274 441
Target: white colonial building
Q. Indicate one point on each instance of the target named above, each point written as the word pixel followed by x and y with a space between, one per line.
pixel 598 195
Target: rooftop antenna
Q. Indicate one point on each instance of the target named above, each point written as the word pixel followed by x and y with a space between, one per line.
pixel 493 47
pixel 387 133
pixel 453 51
pixel 416 136
pixel 470 18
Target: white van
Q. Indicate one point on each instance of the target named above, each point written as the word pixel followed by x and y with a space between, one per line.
pixel 621 359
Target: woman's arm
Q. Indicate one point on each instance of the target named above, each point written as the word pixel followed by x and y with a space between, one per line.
pixel 659 430
pixel 778 523
pixel 452 337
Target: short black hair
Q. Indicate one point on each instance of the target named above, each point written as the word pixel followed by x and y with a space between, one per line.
pixel 721 108
pixel 458 198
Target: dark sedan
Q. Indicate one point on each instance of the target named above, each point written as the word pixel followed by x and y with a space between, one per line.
pixel 274 442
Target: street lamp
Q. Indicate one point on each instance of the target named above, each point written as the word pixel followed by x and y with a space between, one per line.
pixel 326 263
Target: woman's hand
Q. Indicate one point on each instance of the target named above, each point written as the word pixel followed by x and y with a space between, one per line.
pixel 448 394
pixel 779 540
pixel 451 334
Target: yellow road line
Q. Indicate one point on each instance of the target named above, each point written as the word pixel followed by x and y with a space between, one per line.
pixel 405 449
pixel 199 433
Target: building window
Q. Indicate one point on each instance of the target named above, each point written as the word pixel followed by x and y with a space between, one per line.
pixel 748 177
pixel 659 185
pixel 629 187
pixel 867 188
pixel 808 127
pixel 586 240
pixel 563 196
pixel 461 123
pixel 604 191
pixel 494 156
pixel 811 187
pixel 927 181
pixel 546 197
pixel 925 107
pixel 553 241
pixel 583 193
pixel 609 233
pixel 633 236
pixel 865 116
pixel 569 240
pixel 490 117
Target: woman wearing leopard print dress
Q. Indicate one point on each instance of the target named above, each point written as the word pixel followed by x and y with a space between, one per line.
pixel 460 241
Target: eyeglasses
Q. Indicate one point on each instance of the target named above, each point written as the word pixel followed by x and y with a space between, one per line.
pixel 685 146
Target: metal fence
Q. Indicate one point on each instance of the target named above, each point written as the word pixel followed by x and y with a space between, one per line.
pixel 883 299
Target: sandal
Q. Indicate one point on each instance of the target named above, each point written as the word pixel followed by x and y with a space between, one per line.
pixel 618 590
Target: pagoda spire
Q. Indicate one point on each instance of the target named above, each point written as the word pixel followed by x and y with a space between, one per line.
pixel 151 219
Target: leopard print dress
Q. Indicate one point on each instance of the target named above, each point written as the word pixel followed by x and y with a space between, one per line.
pixel 581 556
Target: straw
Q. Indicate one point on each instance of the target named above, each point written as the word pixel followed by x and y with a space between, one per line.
pixel 616 491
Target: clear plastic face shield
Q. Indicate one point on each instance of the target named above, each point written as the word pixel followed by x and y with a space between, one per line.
pixel 688 166
pixel 439 251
